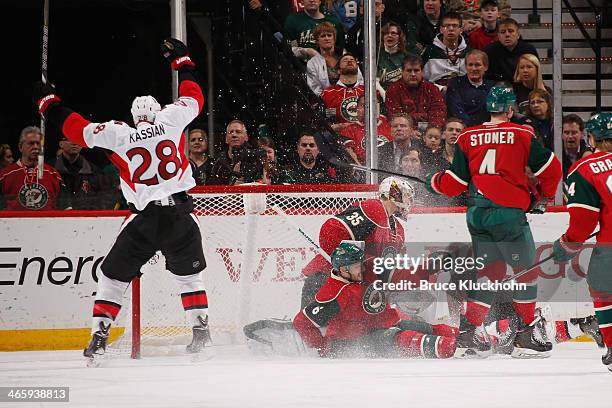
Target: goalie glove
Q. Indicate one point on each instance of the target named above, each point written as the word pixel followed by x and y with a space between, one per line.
pixel 177 53
pixel 564 251
pixel 43 96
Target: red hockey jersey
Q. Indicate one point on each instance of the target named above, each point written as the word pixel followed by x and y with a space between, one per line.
pixel 480 38
pixel 492 159
pixel 355 136
pixel 367 221
pixel 348 310
pixel 343 100
pixel 22 190
pixel 588 191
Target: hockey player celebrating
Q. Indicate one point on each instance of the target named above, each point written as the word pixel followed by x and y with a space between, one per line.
pixel 490 162
pixel 589 198
pixel 155 175
pixel 372 220
pixel 358 321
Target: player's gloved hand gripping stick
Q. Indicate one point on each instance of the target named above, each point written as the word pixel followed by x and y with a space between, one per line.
pixel 559 254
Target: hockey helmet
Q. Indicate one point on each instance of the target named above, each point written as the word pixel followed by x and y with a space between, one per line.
pixel 397 190
pixel 144 109
pixel 500 99
pixel 346 254
pixel 600 126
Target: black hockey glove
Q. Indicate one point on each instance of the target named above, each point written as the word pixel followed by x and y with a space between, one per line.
pixel 43 96
pixel 176 52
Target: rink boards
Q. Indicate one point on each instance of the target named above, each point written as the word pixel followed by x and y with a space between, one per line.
pixel 49 268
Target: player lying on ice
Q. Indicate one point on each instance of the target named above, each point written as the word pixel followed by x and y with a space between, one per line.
pixel 589 200
pixel 155 177
pixel 348 318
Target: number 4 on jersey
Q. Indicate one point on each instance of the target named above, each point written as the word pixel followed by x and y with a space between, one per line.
pixel 488 163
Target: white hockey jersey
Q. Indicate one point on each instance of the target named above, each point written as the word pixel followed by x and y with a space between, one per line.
pixel 151 158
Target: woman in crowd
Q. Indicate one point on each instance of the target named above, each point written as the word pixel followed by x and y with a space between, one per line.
pixel 322 68
pixel 270 167
pixel 391 52
pixel 539 110
pixel 527 77
pixel 6 155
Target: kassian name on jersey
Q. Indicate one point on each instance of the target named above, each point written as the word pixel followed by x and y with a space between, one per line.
pixel 502 137
pixel 147 133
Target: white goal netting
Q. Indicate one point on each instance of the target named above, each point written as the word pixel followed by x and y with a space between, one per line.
pixel 254 260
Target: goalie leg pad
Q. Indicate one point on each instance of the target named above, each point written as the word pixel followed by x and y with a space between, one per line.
pixel 275 336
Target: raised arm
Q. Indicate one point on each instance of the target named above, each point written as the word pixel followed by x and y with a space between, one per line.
pixel 177 54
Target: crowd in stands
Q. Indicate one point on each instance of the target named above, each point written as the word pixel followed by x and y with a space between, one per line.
pixel 436 61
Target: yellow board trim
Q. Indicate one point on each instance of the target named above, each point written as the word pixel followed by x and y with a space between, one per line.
pixel 75 339
pixel 583 339
pixel 49 339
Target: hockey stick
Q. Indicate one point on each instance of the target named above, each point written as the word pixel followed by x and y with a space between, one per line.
pixel 535 265
pixel 45 53
pixel 302 233
pixel 364 168
pixel 392 173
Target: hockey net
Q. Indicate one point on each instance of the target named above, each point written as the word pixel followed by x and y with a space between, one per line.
pixel 254 260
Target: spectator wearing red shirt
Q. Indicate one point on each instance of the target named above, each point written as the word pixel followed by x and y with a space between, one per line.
pixel 341 98
pixel 355 141
pixel 487 33
pixel 413 95
pixel 20 187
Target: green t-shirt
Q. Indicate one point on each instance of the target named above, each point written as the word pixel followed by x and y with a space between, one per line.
pixel 389 67
pixel 299 28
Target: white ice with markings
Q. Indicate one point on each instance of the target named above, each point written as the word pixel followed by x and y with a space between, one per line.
pixel 232 377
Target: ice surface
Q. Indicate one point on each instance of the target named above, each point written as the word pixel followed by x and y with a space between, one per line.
pixel 572 377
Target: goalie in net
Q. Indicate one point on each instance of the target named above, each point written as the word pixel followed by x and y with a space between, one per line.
pixel 155 175
pixel 373 221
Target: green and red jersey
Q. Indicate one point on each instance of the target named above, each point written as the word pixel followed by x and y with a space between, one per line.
pixel 588 191
pixel 492 158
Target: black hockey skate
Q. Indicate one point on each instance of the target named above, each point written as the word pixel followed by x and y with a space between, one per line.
pixel 531 341
pixel 607 359
pixel 97 345
pixel 505 340
pixel 589 326
pixel 472 342
pixel 201 336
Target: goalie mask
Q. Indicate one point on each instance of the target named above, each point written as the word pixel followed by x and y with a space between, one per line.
pixel 144 109
pixel 398 191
